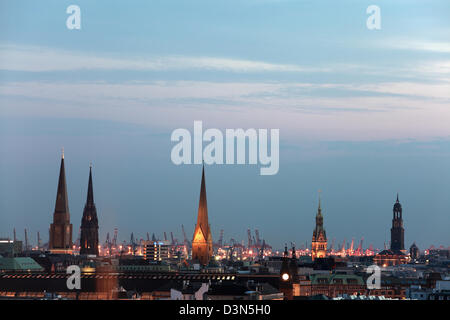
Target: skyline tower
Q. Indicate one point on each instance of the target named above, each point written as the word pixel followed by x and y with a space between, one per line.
pixel 61 229
pixel 89 223
pixel 286 275
pixel 202 249
pixel 397 231
pixel 319 238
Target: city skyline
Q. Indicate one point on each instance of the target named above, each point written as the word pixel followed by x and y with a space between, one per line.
pixel 306 244
pixel 362 114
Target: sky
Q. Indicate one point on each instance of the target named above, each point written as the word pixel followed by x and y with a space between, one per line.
pixel 363 115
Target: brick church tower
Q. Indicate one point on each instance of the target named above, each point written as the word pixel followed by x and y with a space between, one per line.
pixel 61 228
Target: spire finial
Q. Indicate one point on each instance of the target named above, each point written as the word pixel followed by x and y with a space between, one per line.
pixel 397 197
pixel 62 153
pixel 90 164
pixel 320 191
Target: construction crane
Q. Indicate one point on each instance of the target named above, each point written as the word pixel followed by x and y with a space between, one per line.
pixel 132 243
pixel 148 237
pixel 171 236
pixel 165 236
pixel 258 243
pixel 38 241
pixel 221 238
pixel 342 251
pixel 115 237
pixel 369 250
pixel 351 245
pixel 78 241
pixel 261 251
pixel 230 253
pixel 14 235
pixel 249 234
pixel 360 250
pixel 108 244
pixel 186 241
pixel 26 240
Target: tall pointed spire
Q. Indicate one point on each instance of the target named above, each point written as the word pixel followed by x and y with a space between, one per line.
pixel 319 209
pixel 90 192
pixel 89 222
pixel 202 218
pixel 319 238
pixel 62 203
pixel 202 240
pixel 61 228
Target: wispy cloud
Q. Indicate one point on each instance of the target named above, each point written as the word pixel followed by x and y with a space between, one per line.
pixel 302 110
pixel 38 59
pixel 440 47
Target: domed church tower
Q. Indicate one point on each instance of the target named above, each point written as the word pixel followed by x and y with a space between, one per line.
pixel 397 231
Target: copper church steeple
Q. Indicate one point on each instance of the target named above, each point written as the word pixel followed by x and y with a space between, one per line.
pixel 61 228
pixel 202 248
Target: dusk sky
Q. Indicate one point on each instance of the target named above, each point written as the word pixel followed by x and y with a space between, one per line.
pixel 363 114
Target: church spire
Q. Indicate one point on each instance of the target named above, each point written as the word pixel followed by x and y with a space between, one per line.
pixel 89 222
pixel 202 240
pixel 319 238
pixel 61 228
pixel 90 193
pixel 202 218
pixel 62 204
pixel 319 209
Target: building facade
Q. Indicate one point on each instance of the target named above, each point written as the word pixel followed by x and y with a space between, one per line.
pixel 156 250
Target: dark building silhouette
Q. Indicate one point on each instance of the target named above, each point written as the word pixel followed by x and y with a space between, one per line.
pixel 286 276
pixel 319 238
pixel 89 223
pixel 202 248
pixel 397 231
pixel 293 266
pixel 396 254
pixel 61 228
pixel 414 251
